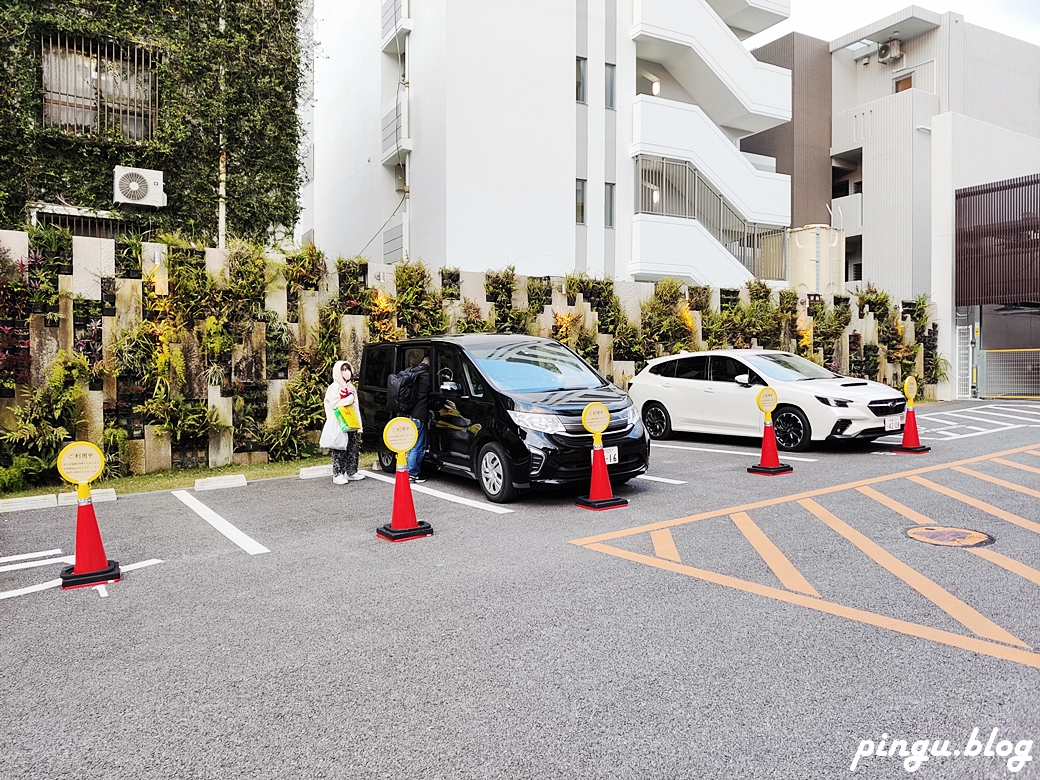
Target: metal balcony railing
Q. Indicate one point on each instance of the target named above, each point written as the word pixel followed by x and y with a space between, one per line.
pixel 675 188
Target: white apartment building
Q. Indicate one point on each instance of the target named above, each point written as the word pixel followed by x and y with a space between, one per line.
pixel 557 135
pixel 925 104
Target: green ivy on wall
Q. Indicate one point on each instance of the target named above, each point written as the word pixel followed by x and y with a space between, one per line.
pixel 242 82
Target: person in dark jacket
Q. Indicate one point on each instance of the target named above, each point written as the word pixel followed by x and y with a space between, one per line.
pixel 420 415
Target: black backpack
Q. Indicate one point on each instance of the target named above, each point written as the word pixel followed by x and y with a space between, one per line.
pixel 402 390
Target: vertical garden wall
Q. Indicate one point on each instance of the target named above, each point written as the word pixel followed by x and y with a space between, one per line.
pixel 174 356
pixel 225 77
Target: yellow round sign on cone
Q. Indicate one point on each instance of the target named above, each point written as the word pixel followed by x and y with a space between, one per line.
pixel 910 390
pixel 596 419
pixel 767 401
pixel 81 463
pixel 400 436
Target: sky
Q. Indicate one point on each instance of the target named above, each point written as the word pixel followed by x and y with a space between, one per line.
pixel 831 19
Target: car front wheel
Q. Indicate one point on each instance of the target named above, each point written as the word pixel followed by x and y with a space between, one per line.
pixel 656 421
pixel 792 430
pixel 388 462
pixel 495 474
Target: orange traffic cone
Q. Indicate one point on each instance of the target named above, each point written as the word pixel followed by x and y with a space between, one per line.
pixel 769 464
pixel 911 442
pixel 600 496
pixel 403 524
pixel 92 566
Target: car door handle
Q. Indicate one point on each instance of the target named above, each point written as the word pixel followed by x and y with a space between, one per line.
pixel 709 389
pixel 666 384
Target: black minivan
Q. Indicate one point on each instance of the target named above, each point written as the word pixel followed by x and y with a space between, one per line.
pixel 506 411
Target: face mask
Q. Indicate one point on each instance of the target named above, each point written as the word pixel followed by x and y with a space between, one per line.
pixel 347 376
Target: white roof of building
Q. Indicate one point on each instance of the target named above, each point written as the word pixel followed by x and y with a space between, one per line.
pixel 904 25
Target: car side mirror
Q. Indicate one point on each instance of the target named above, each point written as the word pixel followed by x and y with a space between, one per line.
pixel 451 387
pixel 743 380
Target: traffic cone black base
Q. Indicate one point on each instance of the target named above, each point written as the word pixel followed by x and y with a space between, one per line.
pixel 404 534
pixel 770 471
pixel 109 574
pixel 920 450
pixel 601 504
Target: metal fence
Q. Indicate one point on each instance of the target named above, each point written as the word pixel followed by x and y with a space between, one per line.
pixel 675 188
pixel 92 87
pixel 393 12
pixel 1012 373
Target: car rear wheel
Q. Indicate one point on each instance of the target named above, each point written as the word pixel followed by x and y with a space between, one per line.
pixel 388 462
pixel 792 430
pixel 495 474
pixel 656 420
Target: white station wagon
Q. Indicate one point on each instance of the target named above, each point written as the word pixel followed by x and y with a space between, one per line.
pixel 715 392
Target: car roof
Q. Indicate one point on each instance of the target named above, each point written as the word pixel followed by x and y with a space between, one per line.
pixel 467 339
pixel 734 352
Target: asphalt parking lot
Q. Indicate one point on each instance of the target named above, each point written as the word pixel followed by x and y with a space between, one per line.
pixel 722 625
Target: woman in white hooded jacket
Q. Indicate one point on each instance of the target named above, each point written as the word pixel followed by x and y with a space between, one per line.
pixel 345 445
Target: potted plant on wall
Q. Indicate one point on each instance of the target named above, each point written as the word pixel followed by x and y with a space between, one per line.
pixel 129 249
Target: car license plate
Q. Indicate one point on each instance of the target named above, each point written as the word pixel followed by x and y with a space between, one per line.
pixel 894 423
pixel 610 454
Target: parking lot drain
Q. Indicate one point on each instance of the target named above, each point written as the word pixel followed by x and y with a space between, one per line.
pixel 944 536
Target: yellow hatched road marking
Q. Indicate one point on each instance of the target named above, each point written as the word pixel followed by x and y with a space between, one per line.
pixel 1014 465
pixel 784 570
pixel 784 499
pixel 1010 564
pixel 996 511
pixel 969 643
pixel 998 481
pixel 972 620
pixel 664 545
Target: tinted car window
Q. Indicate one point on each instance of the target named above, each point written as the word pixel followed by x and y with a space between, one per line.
pixel 449 368
pixel 726 369
pixel 691 368
pixel 377 367
pixel 664 369
pixel 413 356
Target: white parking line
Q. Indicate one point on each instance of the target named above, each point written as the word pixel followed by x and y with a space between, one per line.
pixel 247 543
pixel 26 556
pixel 661 479
pixel 498 510
pixel 728 452
pixel 32 564
pixel 991 413
pixel 10 594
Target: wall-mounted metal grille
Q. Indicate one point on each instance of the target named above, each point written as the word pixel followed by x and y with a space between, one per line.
pixel 1012 373
pixel 998 242
pixel 92 87
pixel 92 227
pixel 963 361
pixel 675 188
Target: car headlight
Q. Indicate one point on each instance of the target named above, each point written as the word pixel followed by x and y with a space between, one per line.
pixel 543 423
pixel 842 402
pixel 631 415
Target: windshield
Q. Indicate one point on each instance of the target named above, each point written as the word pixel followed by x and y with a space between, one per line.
pixel 534 367
pixel 788 367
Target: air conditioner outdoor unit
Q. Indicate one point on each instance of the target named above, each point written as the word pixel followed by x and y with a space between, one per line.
pixel 138 187
pixel 889 52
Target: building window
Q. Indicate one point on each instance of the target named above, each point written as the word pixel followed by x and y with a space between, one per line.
pixel 904 84
pixel 579 201
pixel 99 88
pixel 581 75
pixel 608 205
pixel 610 86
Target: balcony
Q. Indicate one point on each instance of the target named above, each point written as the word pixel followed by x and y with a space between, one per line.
pixel 747 17
pixel 396 25
pixel 396 141
pixel 704 55
pixel 682 220
pixel 666 128
pixel 847 214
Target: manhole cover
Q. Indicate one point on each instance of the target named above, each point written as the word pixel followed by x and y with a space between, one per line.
pixel 949 537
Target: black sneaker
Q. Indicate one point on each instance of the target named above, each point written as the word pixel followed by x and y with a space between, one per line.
pixel 417 480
